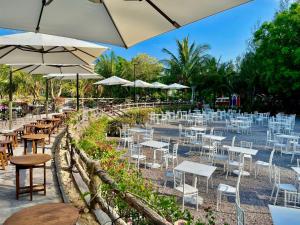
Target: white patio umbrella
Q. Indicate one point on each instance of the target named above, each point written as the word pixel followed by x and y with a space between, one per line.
pixel 118 22
pixel 74 76
pixel 176 86
pixel 35 48
pixel 139 84
pixel 159 85
pixel 113 80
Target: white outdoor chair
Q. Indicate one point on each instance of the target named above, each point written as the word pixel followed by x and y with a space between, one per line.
pixel 227 190
pixel 219 155
pixel 265 165
pixel 172 156
pixel 126 137
pixel 292 199
pixel 247 144
pixel 229 126
pixel 166 149
pixel 196 141
pixel 270 140
pixel 296 150
pixel 278 186
pixel 235 160
pixel 148 136
pixel 187 190
pixel 136 155
pixel 280 145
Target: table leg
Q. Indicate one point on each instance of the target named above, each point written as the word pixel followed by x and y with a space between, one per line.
pixel 17 182
pixel 44 178
pixel 25 146
pixel 30 183
pixel 207 184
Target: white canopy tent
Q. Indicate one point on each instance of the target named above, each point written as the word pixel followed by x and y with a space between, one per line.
pixel 35 48
pixel 113 80
pixel 116 22
pixel 74 76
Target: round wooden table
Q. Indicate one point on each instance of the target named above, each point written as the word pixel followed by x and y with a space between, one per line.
pixel 45 214
pixel 29 162
pixel 35 138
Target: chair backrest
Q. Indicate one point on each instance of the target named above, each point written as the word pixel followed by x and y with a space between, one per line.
pixel 180 128
pixel 166 140
pixel 240 214
pixel 291 199
pixel 211 131
pixel 134 149
pixel 178 178
pixel 218 133
pixel 276 175
pixel 246 144
pixel 271 157
pixel 175 149
pixel 233 141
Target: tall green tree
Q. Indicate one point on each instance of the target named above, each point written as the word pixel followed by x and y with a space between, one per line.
pixel 185 65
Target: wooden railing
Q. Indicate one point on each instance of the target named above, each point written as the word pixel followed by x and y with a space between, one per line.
pixel 93 176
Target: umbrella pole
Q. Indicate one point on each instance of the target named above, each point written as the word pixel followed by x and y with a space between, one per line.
pixel 47 97
pixel 10 99
pixel 77 90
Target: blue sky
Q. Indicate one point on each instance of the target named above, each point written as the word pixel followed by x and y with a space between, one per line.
pixel 227 33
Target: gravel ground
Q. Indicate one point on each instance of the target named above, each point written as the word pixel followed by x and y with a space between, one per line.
pixel 254 193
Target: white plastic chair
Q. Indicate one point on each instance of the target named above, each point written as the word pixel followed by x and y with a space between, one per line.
pixel 247 144
pixel 227 190
pixel 265 164
pixel 186 190
pixel 292 199
pixel 278 186
pixel 137 155
pixel 172 156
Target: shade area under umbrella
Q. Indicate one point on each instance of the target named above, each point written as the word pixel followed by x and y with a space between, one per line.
pixel 35 48
pixel 113 80
pixel 74 76
pixel 117 22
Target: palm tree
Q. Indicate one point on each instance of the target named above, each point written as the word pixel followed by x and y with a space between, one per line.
pixel 184 67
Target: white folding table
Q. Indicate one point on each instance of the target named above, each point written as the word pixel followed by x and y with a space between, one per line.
pixel 196 169
pixel 154 145
pixel 284 215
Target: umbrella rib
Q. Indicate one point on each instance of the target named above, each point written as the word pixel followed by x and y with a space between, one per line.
pixel 76 55
pixel 6 53
pixel 78 49
pixel 173 22
pixel 22 68
pixel 114 23
pixel 34 68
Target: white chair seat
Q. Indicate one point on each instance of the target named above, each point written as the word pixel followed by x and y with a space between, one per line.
pixel 247 156
pixel 280 145
pixel 169 156
pixel 162 149
pixel 287 187
pixel 188 189
pixel 140 157
pixel 226 189
pixel 262 163
pixel 221 157
pixel 234 163
pixel 209 147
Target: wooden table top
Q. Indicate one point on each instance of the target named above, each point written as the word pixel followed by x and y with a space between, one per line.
pixel 35 136
pixel 43 126
pixel 51 119
pixel 45 214
pixel 31 159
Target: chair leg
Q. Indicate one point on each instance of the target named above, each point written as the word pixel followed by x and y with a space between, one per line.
pixel 276 196
pixel 272 193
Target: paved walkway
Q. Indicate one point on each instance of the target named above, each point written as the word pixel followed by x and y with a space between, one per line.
pixel 8 202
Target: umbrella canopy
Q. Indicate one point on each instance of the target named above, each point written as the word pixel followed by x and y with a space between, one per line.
pixel 114 80
pixel 139 84
pixel 48 68
pixel 159 85
pixel 73 76
pixel 35 48
pixel 176 86
pixel 117 22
